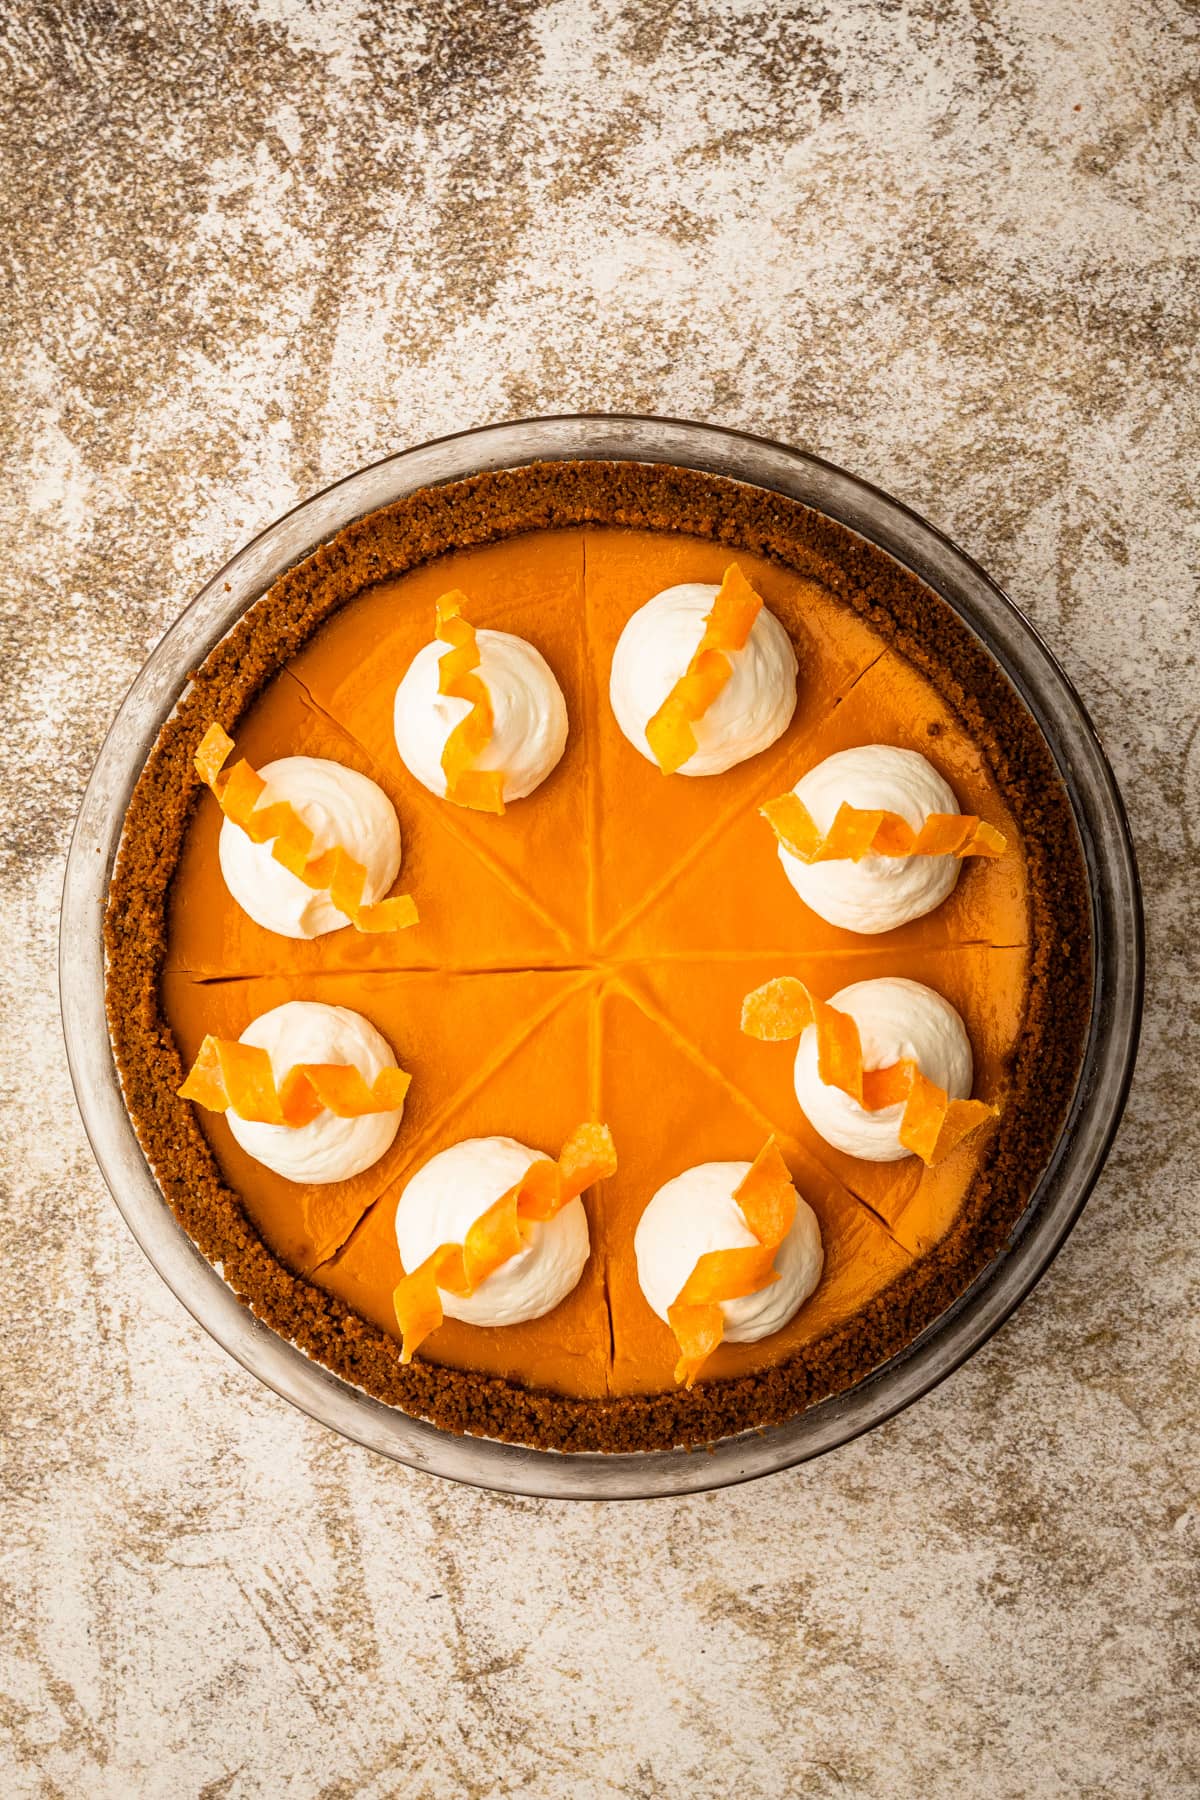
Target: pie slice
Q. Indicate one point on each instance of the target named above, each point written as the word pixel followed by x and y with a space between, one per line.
pixel 537 1094
pixel 533 588
pixel 448 1031
pixel 734 895
pixel 648 825
pixel 698 1117
pixel 988 987
pixel 209 934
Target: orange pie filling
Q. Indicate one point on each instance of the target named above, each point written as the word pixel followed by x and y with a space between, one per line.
pixel 594 954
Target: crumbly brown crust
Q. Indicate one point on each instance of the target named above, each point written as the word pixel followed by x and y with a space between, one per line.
pixel 919 625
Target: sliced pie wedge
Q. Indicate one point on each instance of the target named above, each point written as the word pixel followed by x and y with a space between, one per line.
pixel 651 825
pixel 531 587
pixel 209 934
pixel 735 896
pixel 448 1031
pixel 537 1094
pixel 986 985
pixel 680 1112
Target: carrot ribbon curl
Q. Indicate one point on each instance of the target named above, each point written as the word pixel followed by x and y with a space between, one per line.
pixel 227 1074
pixel 501 1232
pixel 238 793
pixel 670 733
pixel 767 1199
pixel 932 1124
pixel 859 831
pixel 480 789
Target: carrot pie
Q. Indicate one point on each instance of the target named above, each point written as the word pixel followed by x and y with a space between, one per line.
pixel 599 956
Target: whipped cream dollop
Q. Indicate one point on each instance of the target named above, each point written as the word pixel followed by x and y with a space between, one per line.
pixel 529 729
pixel 443 1201
pixel 327 1148
pixel 897 1019
pixel 753 708
pixel 340 807
pixel 879 892
pixel 695 1213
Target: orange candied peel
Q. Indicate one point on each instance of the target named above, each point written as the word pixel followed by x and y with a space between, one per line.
pixel 932 1124
pixel 480 789
pixel 670 733
pixel 227 1074
pixel 860 831
pixel 238 792
pixel 501 1232
pixel 767 1198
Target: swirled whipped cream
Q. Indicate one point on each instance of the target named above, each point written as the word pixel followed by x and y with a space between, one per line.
pixel 753 708
pixel 896 1019
pixel 456 1187
pixel 879 892
pixel 529 728
pixel 695 1213
pixel 328 1148
pixel 340 807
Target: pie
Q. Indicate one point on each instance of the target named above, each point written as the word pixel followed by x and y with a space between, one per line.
pixel 586 954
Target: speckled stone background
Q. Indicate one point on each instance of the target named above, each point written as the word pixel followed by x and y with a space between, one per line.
pixel 952 245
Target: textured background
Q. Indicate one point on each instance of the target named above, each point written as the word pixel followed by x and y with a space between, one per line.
pixel 952 245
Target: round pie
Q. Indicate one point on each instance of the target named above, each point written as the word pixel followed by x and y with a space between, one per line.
pixel 590 953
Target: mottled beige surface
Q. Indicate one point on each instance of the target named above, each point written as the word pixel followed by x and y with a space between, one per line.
pixel 953 246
